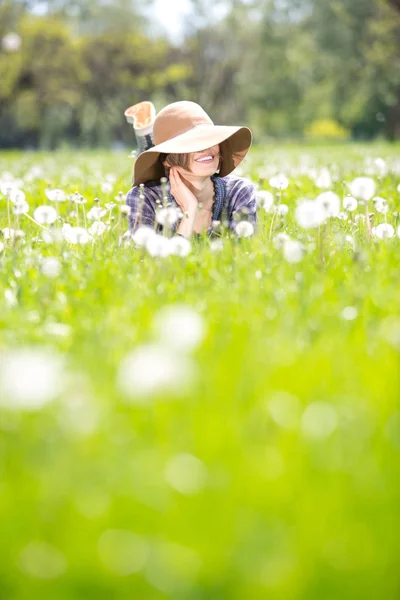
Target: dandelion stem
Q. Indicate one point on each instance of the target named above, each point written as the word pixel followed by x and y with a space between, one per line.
pixel 8 212
pixel 272 222
pixel 36 222
pixel 84 216
pixel 368 220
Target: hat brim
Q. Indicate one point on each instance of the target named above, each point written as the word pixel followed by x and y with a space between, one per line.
pixel 235 142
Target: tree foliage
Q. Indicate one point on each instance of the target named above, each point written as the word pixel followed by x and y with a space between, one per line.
pixel 280 65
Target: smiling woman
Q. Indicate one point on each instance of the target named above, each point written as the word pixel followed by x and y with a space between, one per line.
pixel 197 157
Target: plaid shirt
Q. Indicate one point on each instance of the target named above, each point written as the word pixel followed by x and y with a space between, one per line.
pixel 235 200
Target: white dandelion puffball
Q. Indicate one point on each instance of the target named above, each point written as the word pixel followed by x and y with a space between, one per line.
pixel 381 205
pixel 21 207
pixel 30 378
pixel 216 245
pixel 280 240
pixel 180 327
pixel 324 179
pixel 158 246
pixel 141 235
pixel 363 188
pixel 279 182
pixel 42 561
pixel 11 42
pixel 282 210
pixel 168 216
pixel 153 369
pixel 51 267
pixel 107 187
pixel 244 229
pixel 16 195
pixel 350 203
pixel 319 420
pixel 75 235
pixel 52 236
pixel 349 313
pixel 122 552
pixel 96 212
pixel 45 215
pixel 330 203
pixel 186 473
pixel 309 214
pixel 383 231
pixel 56 195
pixel 264 199
pixel 98 228
pixel 293 251
pixel 12 234
pixel 77 198
pixel 179 246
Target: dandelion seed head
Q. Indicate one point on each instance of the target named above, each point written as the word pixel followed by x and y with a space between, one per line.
pixel 293 251
pixel 179 246
pixel 45 215
pixel 122 552
pixel 280 182
pixel 157 246
pixel 349 313
pixel 265 200
pixel 75 235
pixel 180 327
pixel 309 214
pixel 153 369
pixel 42 561
pixel 330 203
pixel 55 195
pixel 142 235
pixel 319 420
pixel 30 378
pixel 363 188
pixel 186 474
pixel 51 267
pixel 383 231
pixel 244 229
pixel 350 203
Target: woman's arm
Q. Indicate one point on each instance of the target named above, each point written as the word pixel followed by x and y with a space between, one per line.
pixel 142 210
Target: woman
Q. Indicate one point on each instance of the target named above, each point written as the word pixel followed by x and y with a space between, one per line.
pixel 197 158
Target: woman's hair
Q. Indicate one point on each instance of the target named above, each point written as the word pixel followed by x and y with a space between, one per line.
pixel 176 160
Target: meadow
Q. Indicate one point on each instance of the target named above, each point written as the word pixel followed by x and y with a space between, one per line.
pixel 221 422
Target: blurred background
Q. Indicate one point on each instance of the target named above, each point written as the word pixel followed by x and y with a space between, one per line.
pixel 291 69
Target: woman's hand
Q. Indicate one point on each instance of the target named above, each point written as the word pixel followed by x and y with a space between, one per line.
pixel 185 199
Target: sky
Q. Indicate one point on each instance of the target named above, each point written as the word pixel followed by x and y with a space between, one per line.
pixel 170 15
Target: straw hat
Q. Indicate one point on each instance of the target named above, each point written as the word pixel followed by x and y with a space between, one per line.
pixel 183 127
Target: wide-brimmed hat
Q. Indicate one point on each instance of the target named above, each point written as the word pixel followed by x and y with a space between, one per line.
pixel 183 127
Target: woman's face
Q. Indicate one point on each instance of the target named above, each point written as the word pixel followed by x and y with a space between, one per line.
pixel 203 163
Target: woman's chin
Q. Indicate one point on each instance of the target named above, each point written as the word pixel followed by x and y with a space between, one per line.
pixel 205 170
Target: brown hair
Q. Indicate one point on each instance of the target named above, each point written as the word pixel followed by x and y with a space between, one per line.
pixel 175 160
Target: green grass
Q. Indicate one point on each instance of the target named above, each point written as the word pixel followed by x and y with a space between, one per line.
pixel 292 410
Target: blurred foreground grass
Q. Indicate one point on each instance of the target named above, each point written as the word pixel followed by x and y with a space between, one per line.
pixel 271 469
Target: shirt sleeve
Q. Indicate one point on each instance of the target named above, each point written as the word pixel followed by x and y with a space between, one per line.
pixel 244 206
pixel 140 214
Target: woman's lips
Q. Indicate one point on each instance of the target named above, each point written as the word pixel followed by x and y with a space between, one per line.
pixel 207 158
